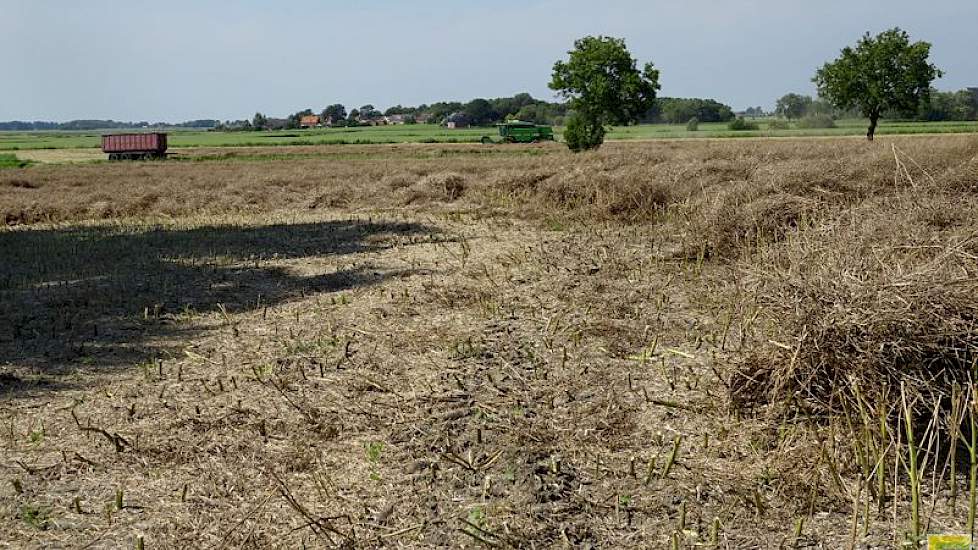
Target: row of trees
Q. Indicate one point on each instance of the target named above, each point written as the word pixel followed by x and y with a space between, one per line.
pixel 478 112
pixel 675 110
pixel 881 74
pixel 960 105
pixel 75 125
pixel 485 112
pixel 796 106
pixel 933 106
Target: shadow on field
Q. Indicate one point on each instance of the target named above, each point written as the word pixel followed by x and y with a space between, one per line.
pixel 113 297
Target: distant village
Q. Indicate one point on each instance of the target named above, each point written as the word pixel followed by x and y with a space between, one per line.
pixel 310 121
pixel 950 105
pixel 451 114
pixel 318 121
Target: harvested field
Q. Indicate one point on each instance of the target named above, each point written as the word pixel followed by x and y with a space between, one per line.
pixel 695 344
pixel 61 155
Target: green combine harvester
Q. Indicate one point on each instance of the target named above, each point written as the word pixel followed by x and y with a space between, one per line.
pixel 516 131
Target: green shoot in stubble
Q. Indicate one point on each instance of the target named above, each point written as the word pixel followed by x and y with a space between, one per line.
pixel 912 471
pixel 649 470
pixel 799 526
pixel 971 444
pixel 37 436
pixel 35 516
pixel 672 457
pixel 872 455
pixel 682 517
pixel 373 449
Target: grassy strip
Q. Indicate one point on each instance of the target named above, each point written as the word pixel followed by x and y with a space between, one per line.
pixel 11 161
pixel 11 141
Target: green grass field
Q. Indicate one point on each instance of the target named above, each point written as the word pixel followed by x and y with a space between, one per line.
pixel 11 161
pixel 12 141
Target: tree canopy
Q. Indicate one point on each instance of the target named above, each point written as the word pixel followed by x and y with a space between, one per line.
pixel 793 106
pixel 603 85
pixel 680 110
pixel 480 112
pixel 960 105
pixel 881 73
pixel 334 112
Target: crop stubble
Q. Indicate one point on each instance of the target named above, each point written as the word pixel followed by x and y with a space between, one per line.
pixel 444 346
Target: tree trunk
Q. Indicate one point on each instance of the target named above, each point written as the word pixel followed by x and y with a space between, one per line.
pixel 873 119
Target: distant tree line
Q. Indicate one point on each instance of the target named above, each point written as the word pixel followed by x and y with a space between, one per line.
pixel 797 106
pixel 483 112
pixel 477 112
pixel 678 110
pixel 935 106
pixel 75 125
pixel 960 105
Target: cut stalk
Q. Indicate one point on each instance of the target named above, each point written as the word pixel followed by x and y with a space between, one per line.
pixel 913 472
pixel 973 470
pixel 672 456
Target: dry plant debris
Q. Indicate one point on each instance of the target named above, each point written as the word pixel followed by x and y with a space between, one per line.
pixel 763 343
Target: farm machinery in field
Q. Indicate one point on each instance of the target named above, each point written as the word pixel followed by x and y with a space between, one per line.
pixel 516 131
pixel 135 146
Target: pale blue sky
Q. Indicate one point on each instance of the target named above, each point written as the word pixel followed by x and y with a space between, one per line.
pixel 184 59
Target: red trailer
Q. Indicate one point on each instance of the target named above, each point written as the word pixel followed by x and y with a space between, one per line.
pixel 134 146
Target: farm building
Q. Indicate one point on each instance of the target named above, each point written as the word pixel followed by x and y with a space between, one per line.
pixel 309 121
pixel 365 120
pixel 422 118
pixel 397 119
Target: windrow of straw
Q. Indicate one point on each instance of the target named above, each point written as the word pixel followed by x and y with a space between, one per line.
pixel 860 306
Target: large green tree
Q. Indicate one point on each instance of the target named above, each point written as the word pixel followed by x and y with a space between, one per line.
pixel 881 73
pixel 480 112
pixel 369 111
pixel 793 106
pixel 603 85
pixel 334 112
